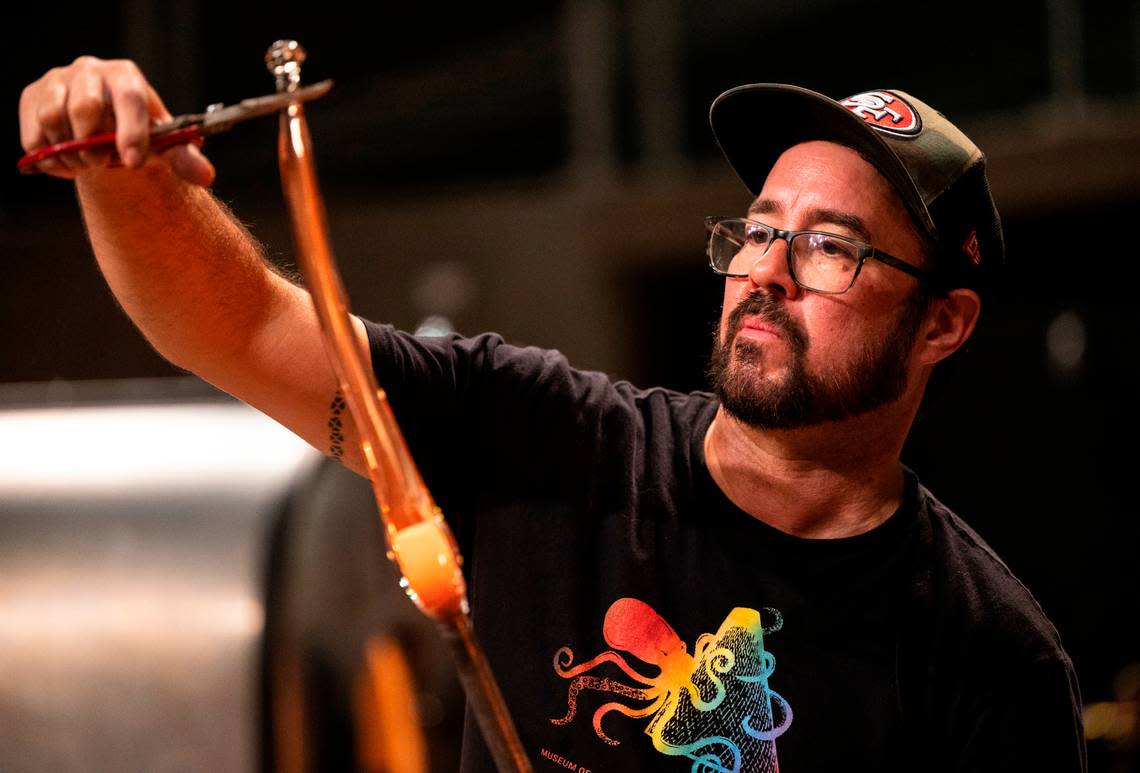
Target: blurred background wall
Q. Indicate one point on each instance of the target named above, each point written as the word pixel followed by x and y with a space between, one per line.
pixel 543 171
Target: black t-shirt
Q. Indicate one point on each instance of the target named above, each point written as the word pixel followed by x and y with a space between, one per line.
pixel 637 620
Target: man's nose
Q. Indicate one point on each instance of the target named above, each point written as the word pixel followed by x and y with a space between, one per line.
pixel 768 268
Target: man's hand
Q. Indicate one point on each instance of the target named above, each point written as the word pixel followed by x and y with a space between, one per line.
pixel 90 96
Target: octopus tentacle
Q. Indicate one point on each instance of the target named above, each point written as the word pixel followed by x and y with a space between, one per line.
pixel 621 708
pixel 710 760
pixel 565 656
pixel 767 666
pixel 719 661
pixel 704 641
pixel 777 623
pixel 597 683
pixel 776 731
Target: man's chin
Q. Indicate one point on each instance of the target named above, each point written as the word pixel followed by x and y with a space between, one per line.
pixel 751 379
pixel 761 364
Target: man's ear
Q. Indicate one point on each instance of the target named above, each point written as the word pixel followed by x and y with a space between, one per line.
pixel 950 321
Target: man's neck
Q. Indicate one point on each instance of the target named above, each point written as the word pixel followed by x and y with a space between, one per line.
pixel 834 480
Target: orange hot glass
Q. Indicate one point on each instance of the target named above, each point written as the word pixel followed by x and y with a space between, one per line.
pixel 419 539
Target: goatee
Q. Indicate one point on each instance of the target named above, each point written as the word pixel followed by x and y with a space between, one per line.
pixel 875 377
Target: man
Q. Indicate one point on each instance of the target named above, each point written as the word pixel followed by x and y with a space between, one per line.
pixel 731 582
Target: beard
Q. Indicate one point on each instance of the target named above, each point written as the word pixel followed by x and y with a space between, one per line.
pixel 876 376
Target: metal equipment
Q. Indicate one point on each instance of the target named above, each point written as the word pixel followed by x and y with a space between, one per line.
pixel 186 586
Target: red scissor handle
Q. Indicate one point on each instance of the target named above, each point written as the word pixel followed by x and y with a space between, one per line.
pixel 159 142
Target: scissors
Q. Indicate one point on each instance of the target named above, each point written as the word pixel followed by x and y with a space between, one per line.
pixel 192 127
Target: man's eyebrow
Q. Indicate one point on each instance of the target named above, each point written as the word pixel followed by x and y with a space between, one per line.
pixel 819 216
pixel 852 223
pixel 764 207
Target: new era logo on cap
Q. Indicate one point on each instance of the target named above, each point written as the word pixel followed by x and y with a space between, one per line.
pixel 886 112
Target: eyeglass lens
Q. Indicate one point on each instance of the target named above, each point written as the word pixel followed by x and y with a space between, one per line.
pixel 818 261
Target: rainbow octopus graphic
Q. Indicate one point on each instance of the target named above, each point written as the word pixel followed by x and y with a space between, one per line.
pixel 713 706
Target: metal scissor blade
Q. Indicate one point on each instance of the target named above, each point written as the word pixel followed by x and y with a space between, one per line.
pixel 224 117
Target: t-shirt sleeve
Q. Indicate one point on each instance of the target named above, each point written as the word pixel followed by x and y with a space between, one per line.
pixel 478 412
pixel 1030 720
pixel 991 678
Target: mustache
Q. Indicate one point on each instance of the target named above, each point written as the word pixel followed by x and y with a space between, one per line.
pixel 763 304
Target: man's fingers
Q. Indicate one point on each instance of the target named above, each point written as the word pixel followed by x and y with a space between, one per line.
pixel 56 168
pixel 49 114
pixel 89 113
pixel 54 127
pixel 86 104
pixel 92 96
pixel 135 105
pixel 88 97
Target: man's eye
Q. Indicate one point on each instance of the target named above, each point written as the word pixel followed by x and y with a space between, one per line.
pixel 833 248
pixel 757 236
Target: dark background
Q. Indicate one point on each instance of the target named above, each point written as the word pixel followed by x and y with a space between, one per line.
pixel 543 172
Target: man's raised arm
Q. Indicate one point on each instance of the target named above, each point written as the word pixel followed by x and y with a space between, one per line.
pixel 186 272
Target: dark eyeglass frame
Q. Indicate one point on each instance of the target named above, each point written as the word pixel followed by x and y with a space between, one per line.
pixel 863 252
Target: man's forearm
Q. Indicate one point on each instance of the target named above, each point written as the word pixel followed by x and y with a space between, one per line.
pixel 186 272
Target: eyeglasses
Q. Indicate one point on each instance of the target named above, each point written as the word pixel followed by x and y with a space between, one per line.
pixel 817 260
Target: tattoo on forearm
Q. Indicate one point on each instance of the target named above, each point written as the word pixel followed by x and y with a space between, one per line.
pixel 336 427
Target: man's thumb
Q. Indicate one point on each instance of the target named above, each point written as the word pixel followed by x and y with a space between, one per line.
pixel 188 163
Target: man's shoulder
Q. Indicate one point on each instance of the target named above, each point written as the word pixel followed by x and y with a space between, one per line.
pixel 489 376
pixel 971 589
pixel 979 658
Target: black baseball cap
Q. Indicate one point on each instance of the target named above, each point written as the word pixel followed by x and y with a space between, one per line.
pixel 939 173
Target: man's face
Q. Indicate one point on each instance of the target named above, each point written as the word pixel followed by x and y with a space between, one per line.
pixel 786 358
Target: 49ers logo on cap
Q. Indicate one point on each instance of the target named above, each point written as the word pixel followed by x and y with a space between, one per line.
pixel 886 112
